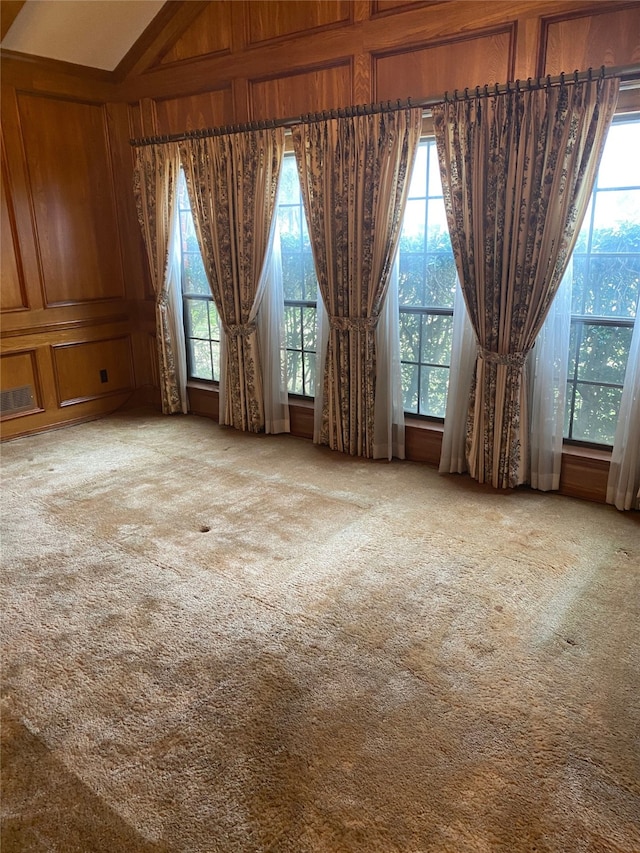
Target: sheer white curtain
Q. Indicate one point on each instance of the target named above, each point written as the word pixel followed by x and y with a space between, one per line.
pixel 175 314
pixel 388 426
pixel 547 363
pixel 463 361
pixel 321 360
pixel 271 339
pixel 623 486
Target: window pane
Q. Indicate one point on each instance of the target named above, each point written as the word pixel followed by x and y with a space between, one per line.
pixel 200 360
pixel 614 284
pixel 440 281
pixel 412 237
pixel 596 413
pixel 602 354
pixel 616 223
pixel 437 332
pixel 606 276
pixel 617 168
pixel 292 276
pixel 309 328
pixel 188 233
pixel 293 336
pixel 433 390
pixel 438 239
pixel 427 281
pixel 410 376
pixel 289 189
pixel 194 278
pixel 198 321
pixel 411 280
pixel 309 361
pixel 294 371
pixel 409 337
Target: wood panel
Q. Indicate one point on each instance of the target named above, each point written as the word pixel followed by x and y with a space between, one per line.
pixel 294 94
pixel 192 112
pixel 210 33
pixel 267 20
pixel 13 291
pixel 20 369
pixel 71 183
pixel 81 368
pixel 588 41
pixel 385 7
pixel 447 65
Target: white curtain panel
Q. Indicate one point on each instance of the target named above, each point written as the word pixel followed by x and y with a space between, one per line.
pixel 547 364
pixel 175 312
pixel 322 345
pixel 623 486
pixel 271 339
pixel 388 426
pixel 463 361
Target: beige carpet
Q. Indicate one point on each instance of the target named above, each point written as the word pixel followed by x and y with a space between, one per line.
pixel 221 642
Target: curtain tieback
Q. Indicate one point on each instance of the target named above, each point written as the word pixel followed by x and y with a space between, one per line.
pixel 240 330
pixel 353 324
pixel 510 359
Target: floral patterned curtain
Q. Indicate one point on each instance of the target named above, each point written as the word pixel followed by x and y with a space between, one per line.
pixel 155 187
pixel 232 182
pixel 517 172
pixel 354 174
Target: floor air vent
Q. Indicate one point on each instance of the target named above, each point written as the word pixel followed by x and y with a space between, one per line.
pixel 16 400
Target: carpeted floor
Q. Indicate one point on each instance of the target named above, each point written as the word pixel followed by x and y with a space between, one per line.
pixel 220 642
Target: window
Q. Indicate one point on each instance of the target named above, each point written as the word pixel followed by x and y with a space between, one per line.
pixel 426 290
pixel 201 321
pixel 299 282
pixel 606 276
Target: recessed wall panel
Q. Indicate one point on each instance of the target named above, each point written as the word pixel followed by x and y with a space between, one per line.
pixel 588 41
pixel 92 369
pixel 308 91
pixel 13 295
pixel 210 33
pixel 193 112
pixel 444 66
pixel 267 20
pixel 20 384
pixel 70 176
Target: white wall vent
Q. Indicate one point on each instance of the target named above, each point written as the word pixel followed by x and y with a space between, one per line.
pixel 16 400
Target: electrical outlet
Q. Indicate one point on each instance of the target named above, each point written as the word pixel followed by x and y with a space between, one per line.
pixel 104 377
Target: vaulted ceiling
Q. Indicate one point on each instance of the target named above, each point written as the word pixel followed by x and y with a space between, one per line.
pixel 94 33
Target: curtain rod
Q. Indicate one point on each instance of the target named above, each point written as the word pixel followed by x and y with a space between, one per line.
pixel 626 73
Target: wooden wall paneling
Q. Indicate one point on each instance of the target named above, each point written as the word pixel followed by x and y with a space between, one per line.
pixel 135 267
pixel 386 7
pixel 192 112
pixel 13 293
pixel 88 370
pixel 17 186
pixel 584 40
pixel 71 182
pixel 267 20
pixel 20 370
pixel 210 33
pixel 431 69
pixel 302 92
pixel 159 37
pixel 136 129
